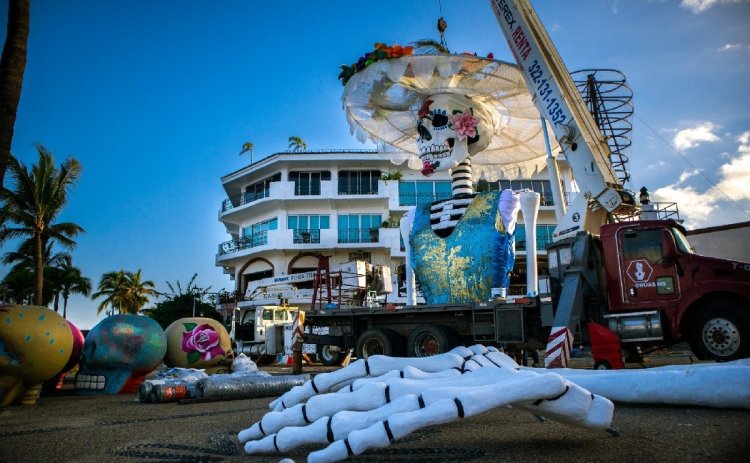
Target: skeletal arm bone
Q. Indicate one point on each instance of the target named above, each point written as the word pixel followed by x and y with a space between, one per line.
pixel 464 403
pixel 405 227
pixel 372 366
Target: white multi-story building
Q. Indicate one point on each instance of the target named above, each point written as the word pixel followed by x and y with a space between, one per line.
pixel 286 209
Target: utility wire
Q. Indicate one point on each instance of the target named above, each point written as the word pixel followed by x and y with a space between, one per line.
pixel 687 161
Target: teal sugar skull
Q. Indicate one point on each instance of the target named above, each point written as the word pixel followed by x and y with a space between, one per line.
pixel 121 348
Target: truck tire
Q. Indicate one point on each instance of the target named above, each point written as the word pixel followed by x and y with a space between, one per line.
pixel 602 365
pixel 330 355
pixel 721 332
pixel 429 339
pixel 378 341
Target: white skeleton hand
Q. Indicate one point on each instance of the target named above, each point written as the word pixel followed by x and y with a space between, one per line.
pixel 393 397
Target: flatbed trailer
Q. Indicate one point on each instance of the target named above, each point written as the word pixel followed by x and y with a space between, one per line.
pixel 423 330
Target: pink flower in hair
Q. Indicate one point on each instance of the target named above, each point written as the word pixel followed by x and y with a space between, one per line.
pixel 465 124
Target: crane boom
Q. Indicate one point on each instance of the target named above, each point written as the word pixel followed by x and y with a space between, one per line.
pixel 559 102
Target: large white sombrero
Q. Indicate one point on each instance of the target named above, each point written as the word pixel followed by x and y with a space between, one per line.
pixel 381 103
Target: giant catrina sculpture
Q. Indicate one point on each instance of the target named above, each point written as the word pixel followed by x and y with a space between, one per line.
pixel 446 112
pixel 470 115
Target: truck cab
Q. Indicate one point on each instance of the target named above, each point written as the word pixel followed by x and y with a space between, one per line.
pixel 255 324
pixel 659 290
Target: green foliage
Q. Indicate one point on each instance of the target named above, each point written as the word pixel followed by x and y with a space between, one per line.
pixel 181 306
pixel 297 144
pixel 392 176
pixel 30 207
pixel 124 291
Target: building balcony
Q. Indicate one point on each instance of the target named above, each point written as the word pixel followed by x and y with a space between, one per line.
pixel 300 240
pixel 327 194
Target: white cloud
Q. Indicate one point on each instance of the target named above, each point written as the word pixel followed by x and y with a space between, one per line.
pixel 736 178
pixel 700 209
pixel 687 174
pixel 699 6
pixel 695 207
pixel 690 138
pixel 730 46
pixel 744 140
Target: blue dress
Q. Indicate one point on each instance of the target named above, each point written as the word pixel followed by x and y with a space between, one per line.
pixel 463 267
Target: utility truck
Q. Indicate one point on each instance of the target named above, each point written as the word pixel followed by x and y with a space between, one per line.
pixel 614 282
pixel 270 304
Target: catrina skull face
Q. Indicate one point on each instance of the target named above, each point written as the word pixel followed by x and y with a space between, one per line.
pixel 447 129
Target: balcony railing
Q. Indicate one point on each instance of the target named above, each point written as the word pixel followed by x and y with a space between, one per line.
pixel 306 235
pixel 242 199
pixel 256 239
pixel 359 235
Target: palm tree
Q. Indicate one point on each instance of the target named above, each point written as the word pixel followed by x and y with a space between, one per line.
pixel 30 209
pixel 24 259
pixel 124 291
pixel 247 146
pixel 139 292
pixel 73 282
pixel 12 67
pixel 113 287
pixel 19 285
pixel 297 144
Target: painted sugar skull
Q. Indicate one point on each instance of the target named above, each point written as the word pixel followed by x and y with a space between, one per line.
pixel 118 352
pixel 36 344
pixel 198 343
pixel 450 128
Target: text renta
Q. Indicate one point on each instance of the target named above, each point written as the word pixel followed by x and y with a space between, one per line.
pixel 541 83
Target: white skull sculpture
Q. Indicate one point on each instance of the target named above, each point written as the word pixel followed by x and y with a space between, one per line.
pixel 450 128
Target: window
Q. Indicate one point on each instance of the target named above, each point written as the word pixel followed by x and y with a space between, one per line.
pixel 359 228
pixel 643 244
pixel 423 192
pixel 307 227
pixel 308 183
pixel 257 234
pixel 543 187
pixel 682 242
pixel 358 182
pixel 360 255
pixel 543 237
pixel 260 189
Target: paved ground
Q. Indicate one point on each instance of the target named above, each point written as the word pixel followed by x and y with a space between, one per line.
pixel 69 428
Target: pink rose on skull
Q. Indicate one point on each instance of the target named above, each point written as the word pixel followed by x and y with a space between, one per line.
pixel 203 340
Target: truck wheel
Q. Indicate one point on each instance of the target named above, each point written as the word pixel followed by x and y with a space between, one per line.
pixel 330 355
pixel 429 339
pixel 378 341
pixel 721 332
pixel 602 365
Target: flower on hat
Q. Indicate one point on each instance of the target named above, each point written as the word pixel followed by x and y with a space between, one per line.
pixel 464 123
pixel 381 51
pixel 424 110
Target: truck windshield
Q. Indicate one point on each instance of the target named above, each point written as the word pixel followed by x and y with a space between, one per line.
pixel 682 242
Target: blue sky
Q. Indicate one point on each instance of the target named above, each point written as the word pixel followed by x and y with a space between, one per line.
pixel 156 98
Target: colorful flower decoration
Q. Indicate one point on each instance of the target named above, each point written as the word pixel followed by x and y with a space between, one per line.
pixel 464 123
pixel 381 51
pixel 201 342
pixel 424 110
